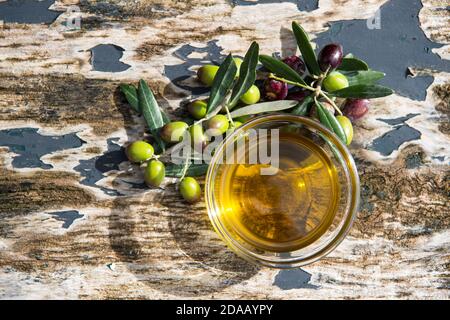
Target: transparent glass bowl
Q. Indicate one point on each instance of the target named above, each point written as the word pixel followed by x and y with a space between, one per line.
pixel 348 200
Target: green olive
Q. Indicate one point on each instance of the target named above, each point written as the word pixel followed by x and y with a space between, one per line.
pixel 335 81
pixel 347 126
pixel 217 125
pixel 237 124
pixel 252 96
pixel 139 151
pixel 238 62
pixel 207 73
pixel 198 139
pixel 190 189
pixel 197 109
pixel 154 173
pixel 173 132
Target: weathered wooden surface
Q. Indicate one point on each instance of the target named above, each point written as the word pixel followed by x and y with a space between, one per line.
pixel 75 221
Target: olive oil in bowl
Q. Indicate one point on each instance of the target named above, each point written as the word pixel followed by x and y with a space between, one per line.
pixel 285 211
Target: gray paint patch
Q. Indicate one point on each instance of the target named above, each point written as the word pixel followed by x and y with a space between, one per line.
pixel 392 140
pixel 101 7
pixel 293 279
pixel 31 146
pixel 106 58
pixel 67 217
pixel 397 121
pixel 179 73
pixel 137 185
pixel 399 44
pixel 302 5
pixel 440 158
pixel 365 204
pixel 94 169
pixel 28 11
pixel 413 161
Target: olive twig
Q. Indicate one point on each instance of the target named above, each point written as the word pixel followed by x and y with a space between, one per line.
pixel 317 91
pixel 272 76
pixel 201 120
pixel 229 115
pixel 186 166
pixel 324 74
pixel 331 102
pixel 319 82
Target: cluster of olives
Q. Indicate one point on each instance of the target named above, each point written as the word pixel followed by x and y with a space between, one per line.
pixel 218 124
pixel 206 75
pixel 330 58
pixel 174 132
pixel 155 171
pixel 311 82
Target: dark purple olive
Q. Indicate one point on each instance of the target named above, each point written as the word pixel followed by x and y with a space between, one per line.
pixel 355 109
pixel 295 63
pixel 330 56
pixel 275 90
pixel 298 95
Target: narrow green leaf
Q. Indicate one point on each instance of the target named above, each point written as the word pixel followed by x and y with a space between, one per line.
pixel 151 111
pixel 222 84
pixel 306 49
pixel 149 107
pixel 367 91
pixel 131 95
pixel 330 121
pixel 194 170
pixel 363 77
pixel 353 64
pixel 165 117
pixel 302 108
pixel 264 107
pixel 280 69
pixel 247 74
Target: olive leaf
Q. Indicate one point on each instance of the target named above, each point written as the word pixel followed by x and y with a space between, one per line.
pixel 131 95
pixel 367 91
pixel 264 107
pixel 306 49
pixel 151 111
pixel 165 117
pixel 363 77
pixel 194 170
pixel 247 74
pixel 329 120
pixel 353 64
pixel 302 108
pixel 281 69
pixel 222 84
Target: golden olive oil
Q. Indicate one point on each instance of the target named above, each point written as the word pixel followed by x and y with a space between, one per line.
pixel 285 211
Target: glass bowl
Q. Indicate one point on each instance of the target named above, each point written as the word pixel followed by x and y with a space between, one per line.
pixel 347 199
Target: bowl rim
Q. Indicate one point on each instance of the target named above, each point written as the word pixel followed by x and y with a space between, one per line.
pixel 294 262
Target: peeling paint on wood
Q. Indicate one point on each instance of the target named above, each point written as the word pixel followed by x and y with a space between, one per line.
pixel 128 241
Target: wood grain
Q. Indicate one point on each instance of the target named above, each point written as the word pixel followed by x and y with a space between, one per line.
pixel 147 244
